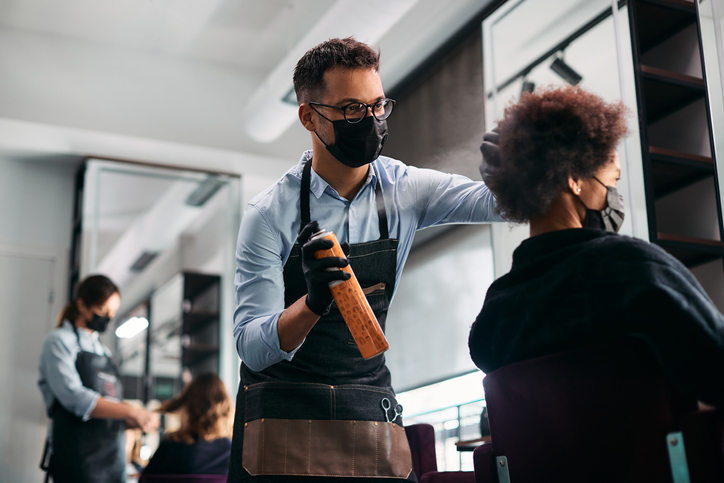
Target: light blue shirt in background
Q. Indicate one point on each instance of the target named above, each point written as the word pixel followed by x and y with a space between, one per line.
pixel 414 199
pixel 59 380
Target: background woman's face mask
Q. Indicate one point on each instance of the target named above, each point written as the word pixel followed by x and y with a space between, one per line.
pixel 99 323
pixel 611 217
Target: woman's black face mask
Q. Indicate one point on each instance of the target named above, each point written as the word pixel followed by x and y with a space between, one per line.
pixel 99 323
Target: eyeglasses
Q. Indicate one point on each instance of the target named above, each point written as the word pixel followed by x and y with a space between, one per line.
pixel 356 111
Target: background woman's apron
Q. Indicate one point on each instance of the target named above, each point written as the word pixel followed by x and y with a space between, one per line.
pixel 327 390
pixel 90 451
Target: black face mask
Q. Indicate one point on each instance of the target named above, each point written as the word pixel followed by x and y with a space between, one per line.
pixel 98 323
pixel 611 217
pixel 357 144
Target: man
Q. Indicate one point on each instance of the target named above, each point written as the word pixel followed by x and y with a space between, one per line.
pixel 310 405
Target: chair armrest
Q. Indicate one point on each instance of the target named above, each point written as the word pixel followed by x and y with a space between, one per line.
pixel 421 438
pixel 703 433
pixel 448 477
pixel 486 470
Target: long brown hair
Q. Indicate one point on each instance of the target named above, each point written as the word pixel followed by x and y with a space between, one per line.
pixel 207 410
pixel 93 290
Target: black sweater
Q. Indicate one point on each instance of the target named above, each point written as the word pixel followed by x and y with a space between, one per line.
pixel 579 287
pixel 199 458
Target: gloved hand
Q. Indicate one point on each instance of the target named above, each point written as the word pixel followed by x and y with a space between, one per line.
pixel 491 154
pixel 319 298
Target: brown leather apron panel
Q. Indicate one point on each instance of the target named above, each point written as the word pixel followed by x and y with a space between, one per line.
pixel 368 449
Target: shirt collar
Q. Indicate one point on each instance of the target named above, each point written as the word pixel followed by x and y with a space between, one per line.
pixel 317 185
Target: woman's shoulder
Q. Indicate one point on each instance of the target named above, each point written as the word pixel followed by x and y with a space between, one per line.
pixel 60 337
pixel 627 248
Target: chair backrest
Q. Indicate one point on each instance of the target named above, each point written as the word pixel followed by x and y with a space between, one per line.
pixel 422 448
pixel 595 414
pixel 182 479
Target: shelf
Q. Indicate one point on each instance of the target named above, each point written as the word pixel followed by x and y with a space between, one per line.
pixel 198 353
pixel 673 170
pixel 689 250
pixel 194 321
pixel 201 348
pixel 195 283
pixel 666 92
pixel 660 19
pixel 663 75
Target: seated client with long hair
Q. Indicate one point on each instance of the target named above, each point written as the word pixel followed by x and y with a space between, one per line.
pixel 576 282
pixel 202 445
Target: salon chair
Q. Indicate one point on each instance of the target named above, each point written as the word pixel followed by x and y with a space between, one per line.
pixel 596 414
pixel 421 438
pixel 182 479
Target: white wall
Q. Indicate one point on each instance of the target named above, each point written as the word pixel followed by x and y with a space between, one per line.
pixel 36 200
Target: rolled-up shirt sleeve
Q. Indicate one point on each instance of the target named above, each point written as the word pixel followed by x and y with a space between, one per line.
pixel 259 282
pixel 57 364
pixel 451 198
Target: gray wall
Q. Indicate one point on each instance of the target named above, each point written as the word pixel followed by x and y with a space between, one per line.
pixel 438 124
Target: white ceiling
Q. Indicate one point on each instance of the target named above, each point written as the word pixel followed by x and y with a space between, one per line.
pixel 171 81
pixel 247 34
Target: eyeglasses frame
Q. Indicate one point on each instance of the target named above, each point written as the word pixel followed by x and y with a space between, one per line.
pixel 344 112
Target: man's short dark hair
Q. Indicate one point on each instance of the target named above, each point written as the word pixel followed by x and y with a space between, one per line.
pixel 346 53
pixel 549 135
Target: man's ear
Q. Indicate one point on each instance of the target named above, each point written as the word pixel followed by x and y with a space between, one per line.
pixel 574 185
pixel 306 117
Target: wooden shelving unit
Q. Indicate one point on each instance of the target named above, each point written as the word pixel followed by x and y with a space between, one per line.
pixel 675 127
pixel 674 170
pixel 184 340
pixel 200 323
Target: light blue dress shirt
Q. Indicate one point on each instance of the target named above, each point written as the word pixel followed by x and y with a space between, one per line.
pixel 59 380
pixel 414 199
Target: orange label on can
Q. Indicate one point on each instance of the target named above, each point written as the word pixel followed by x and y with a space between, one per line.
pixel 353 306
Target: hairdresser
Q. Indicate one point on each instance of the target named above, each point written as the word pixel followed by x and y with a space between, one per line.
pixel 302 373
pixel 83 392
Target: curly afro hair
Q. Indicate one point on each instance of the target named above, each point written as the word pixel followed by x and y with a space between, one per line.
pixel 551 134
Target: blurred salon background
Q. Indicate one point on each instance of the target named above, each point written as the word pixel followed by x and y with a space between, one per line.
pixel 133 133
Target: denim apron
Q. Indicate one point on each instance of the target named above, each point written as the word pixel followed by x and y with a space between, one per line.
pixel 90 451
pixel 327 395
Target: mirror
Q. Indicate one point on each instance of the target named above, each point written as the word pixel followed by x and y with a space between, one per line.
pixel 149 229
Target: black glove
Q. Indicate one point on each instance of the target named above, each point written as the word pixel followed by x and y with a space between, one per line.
pixel 491 154
pixel 319 298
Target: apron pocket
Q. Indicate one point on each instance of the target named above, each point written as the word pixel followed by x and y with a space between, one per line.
pixel 326 448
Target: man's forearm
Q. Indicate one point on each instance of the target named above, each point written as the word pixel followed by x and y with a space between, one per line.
pixel 294 324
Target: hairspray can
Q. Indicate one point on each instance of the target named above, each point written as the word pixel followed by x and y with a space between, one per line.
pixel 353 304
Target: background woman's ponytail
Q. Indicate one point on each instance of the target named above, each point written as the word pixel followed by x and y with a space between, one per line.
pixel 69 312
pixel 93 290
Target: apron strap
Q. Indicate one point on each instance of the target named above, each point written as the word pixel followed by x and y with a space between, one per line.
pixel 45 458
pixel 304 202
pixel 304 195
pixel 77 336
pixel 381 212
